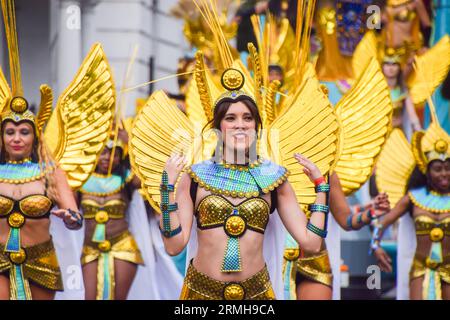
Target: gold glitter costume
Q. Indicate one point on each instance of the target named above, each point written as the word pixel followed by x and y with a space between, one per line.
pixel 76 130
pixel 39 265
pixel 310 130
pixel 121 247
pixel 198 286
pixel 392 176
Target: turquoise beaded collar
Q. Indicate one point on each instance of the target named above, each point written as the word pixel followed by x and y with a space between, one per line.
pixel 238 181
pixel 430 200
pixel 20 172
pixel 102 186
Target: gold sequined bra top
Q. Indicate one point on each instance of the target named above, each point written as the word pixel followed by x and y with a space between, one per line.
pixel 215 211
pixel 425 225
pixel 115 209
pixel 35 206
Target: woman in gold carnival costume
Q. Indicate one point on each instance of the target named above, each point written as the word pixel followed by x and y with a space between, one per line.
pixel 403 20
pixel 34 178
pixel 236 243
pixel 110 254
pixel 306 275
pixel 422 170
pixel 399 95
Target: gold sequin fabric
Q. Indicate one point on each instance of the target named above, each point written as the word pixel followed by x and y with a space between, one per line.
pixel 213 210
pixel 33 206
pixel 123 247
pixel 40 267
pixel 316 267
pixel 198 286
pixel 425 224
pixel 115 208
pixel 419 267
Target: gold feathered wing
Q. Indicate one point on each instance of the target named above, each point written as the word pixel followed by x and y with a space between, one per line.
pixel 160 129
pixel 394 166
pixel 365 115
pixel 79 127
pixel 5 92
pixel 366 49
pixel 308 126
pixel 431 68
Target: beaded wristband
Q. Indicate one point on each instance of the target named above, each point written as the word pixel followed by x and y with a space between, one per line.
pixel 315 207
pixel 166 208
pixel 320 232
pixel 79 218
pixel 166 187
pixel 370 214
pixel 323 187
pixel 350 222
pixel 169 207
pixel 170 233
pixel 319 181
pixel 359 219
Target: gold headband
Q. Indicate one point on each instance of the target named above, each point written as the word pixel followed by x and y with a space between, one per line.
pixel 18 111
pixel 232 80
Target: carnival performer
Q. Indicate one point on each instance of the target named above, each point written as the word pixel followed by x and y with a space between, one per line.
pixel 35 177
pixel 403 22
pixel 307 275
pixel 238 195
pixel 110 253
pixel 422 170
pixel 403 106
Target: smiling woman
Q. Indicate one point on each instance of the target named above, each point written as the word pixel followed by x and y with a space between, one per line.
pixel 237 124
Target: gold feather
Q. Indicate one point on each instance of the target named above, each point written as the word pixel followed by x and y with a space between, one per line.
pixel 45 108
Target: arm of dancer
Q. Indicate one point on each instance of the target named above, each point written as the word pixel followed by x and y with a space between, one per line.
pixel 65 200
pixel 384 261
pixel 308 234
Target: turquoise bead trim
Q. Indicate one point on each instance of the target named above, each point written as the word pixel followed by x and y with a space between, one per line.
pixel 103 186
pixel 106 284
pixel 249 182
pixel 13 243
pixel 20 285
pixel 99 233
pixel 20 172
pixel 430 201
pixel 232 258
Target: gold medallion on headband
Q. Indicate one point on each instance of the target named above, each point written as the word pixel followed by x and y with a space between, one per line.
pixel 19 105
pixel 232 79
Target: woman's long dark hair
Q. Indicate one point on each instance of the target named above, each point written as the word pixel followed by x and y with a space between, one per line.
pixel 417 180
pixel 221 110
pixel 121 170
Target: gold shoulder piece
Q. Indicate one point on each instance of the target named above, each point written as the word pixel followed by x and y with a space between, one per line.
pixel 394 166
pixel 160 129
pixel 45 108
pixel 365 115
pixel 79 128
pixel 431 68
